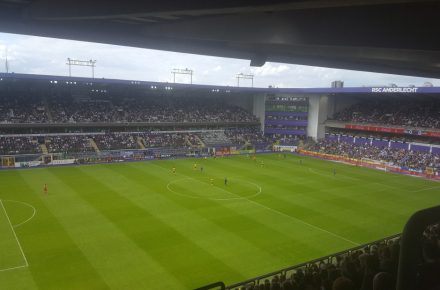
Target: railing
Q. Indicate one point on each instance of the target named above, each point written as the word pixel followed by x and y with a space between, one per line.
pixel 129 124
pixel 328 259
pixel 216 285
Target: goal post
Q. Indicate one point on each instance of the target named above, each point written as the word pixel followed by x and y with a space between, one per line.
pixel 429 172
pixel 7 161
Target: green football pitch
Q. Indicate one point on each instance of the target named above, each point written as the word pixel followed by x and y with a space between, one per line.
pixel 139 226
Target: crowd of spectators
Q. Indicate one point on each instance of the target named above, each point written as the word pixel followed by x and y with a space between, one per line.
pixel 164 140
pixel 247 136
pixel 68 143
pixel 106 110
pixel 85 111
pixel 113 141
pixel 22 110
pixel 371 268
pixel 18 145
pixel 409 112
pixel 81 143
pixel 186 110
pixel 385 136
pixel 399 157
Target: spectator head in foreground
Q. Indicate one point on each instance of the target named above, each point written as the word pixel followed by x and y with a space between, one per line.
pixel 343 283
pixel 383 281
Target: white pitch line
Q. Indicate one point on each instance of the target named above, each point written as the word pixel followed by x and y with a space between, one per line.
pixel 333 176
pixel 296 219
pixel 286 215
pixel 15 235
pixel 305 223
pixel 26 204
pixel 423 189
pixel 168 186
pixel 13 268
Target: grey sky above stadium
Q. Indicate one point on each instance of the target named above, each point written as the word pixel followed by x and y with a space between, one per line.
pixel 38 55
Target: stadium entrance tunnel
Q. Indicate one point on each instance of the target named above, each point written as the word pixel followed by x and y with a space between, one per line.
pixel 214 188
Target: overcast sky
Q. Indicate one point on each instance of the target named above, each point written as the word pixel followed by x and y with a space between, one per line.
pixel 38 55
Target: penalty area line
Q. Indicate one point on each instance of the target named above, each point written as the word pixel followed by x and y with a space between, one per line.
pixel 16 238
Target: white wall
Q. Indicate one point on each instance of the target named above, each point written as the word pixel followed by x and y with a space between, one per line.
pixel 259 108
pixel 318 110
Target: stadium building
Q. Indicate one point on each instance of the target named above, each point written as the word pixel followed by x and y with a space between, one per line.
pixel 55 118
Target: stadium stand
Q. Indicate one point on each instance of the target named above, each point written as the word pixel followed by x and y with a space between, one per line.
pixel 164 140
pixel 247 136
pixel 416 160
pixel 113 141
pixel 81 142
pixel 409 112
pixel 65 144
pixel 215 138
pixel 105 110
pixel 19 145
pixel 22 110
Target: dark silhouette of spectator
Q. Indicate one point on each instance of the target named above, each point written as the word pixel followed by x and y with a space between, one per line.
pixel 343 283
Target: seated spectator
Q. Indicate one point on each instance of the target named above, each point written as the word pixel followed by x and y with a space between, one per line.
pixel 403 158
pixel 19 145
pixel 407 112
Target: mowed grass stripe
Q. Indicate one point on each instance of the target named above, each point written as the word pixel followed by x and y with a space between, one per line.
pixel 299 204
pixel 238 226
pixel 289 206
pixel 266 216
pixel 120 262
pixel 110 213
pixel 219 241
pixel 346 212
pixel 53 257
pixel 161 242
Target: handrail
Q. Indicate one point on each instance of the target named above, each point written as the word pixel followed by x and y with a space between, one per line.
pixel 212 286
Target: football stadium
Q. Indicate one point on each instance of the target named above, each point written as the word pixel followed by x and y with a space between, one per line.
pixel 118 183
pixel 138 185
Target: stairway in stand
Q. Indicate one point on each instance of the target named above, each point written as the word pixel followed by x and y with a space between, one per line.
pixel 140 142
pixel 43 148
pixel 94 146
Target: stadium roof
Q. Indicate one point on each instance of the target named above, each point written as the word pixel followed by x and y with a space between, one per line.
pixel 390 36
pixel 52 80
